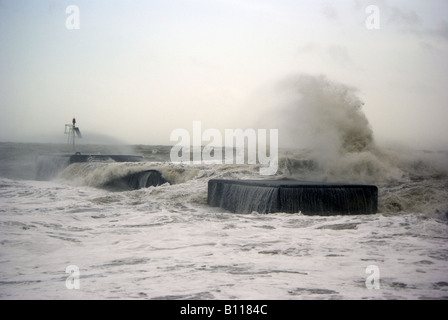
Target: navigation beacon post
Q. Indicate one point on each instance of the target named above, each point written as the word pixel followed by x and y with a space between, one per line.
pixel 72 132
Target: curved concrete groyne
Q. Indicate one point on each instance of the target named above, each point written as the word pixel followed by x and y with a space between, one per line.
pixel 292 196
pixel 137 180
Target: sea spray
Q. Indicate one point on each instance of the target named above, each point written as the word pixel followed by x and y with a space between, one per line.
pixel 325 136
pixel 325 118
pixel 48 166
pixel 321 115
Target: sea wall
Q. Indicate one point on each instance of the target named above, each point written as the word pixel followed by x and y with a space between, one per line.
pixel 292 196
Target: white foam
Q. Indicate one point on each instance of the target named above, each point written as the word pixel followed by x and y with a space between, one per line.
pixel 166 242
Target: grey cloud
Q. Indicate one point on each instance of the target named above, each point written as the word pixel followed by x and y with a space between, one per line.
pixel 441 31
pixel 330 12
pixel 402 17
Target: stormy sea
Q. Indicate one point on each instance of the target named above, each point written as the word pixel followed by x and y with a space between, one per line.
pixel 76 231
pixel 165 242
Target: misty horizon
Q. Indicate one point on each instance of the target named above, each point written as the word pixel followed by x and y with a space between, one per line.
pixel 131 73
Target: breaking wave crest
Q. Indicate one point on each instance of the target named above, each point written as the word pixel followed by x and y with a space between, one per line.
pixel 98 174
pixel 329 138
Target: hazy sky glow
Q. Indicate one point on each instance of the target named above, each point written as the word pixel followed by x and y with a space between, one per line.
pixel 137 70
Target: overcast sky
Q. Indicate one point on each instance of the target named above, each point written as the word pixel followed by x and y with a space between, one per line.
pixel 137 70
